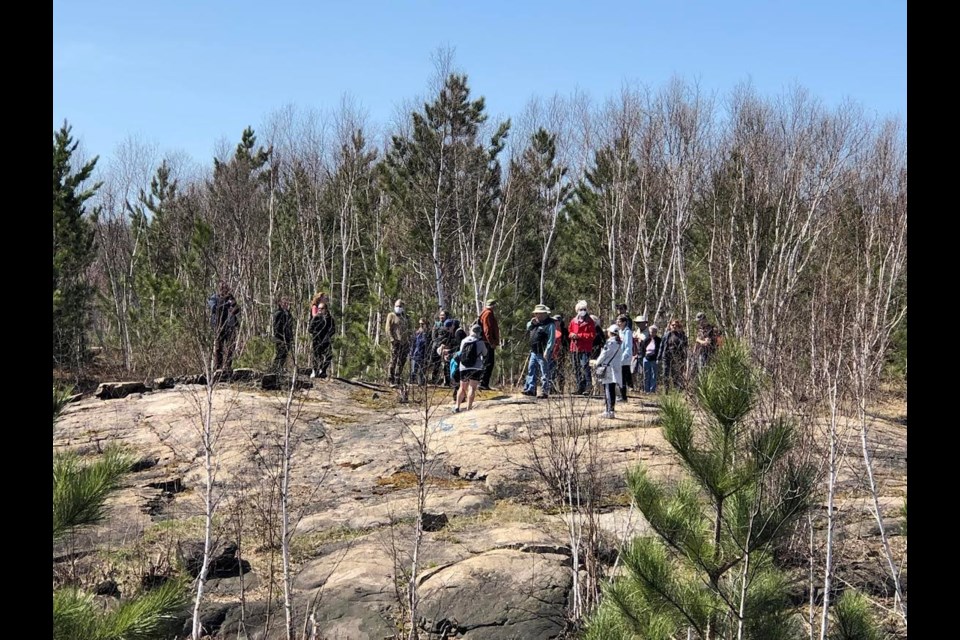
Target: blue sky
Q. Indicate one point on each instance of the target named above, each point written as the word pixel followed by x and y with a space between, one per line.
pixel 186 73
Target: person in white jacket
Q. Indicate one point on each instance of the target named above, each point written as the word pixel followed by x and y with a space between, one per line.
pixel 610 368
pixel 626 355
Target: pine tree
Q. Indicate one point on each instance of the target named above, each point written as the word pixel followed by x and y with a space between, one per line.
pixel 543 192
pixel 710 571
pixel 432 176
pixel 73 251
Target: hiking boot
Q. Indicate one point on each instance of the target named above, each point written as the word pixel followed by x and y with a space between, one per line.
pixel 313 373
pixel 529 393
pixel 542 396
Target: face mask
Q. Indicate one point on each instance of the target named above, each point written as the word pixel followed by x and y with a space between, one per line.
pixel 582 314
pixel 398 309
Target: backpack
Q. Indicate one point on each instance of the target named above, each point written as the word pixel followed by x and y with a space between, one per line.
pixel 455 366
pixel 477 323
pixel 539 337
pixel 468 355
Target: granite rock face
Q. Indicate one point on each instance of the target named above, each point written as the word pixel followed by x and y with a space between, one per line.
pixel 494 560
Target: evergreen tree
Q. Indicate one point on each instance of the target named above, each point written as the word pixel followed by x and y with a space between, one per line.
pixel 73 251
pixel 604 210
pixel 432 177
pixel 543 191
pixel 710 571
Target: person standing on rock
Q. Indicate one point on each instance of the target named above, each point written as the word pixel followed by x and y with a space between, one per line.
pixel 219 303
pixel 490 333
pixel 582 332
pixel 438 369
pixel 542 335
pixel 706 342
pixel 626 354
pixel 473 351
pixel 231 331
pixel 398 332
pixel 609 370
pixel 282 333
pixel 321 331
pixel 419 345
pixel 673 356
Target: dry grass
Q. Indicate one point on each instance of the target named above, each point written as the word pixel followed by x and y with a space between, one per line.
pixel 408 480
pixel 503 512
pixel 380 400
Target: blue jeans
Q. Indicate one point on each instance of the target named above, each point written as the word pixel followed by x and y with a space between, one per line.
pixel 581 369
pixel 649 375
pixel 538 367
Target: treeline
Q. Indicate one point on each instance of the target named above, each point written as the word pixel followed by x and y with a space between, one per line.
pixel 782 219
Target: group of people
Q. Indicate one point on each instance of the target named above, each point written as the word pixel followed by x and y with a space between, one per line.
pixel 225 322
pixel 321 328
pixel 447 351
pixel 629 354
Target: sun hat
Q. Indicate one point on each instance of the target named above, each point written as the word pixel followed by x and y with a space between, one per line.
pixel 541 308
pixel 641 318
pixel 613 329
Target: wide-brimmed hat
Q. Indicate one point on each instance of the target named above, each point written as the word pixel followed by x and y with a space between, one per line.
pixel 541 308
pixel 491 302
pixel 641 318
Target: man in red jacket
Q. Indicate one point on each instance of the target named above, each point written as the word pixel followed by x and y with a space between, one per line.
pixel 491 335
pixel 582 332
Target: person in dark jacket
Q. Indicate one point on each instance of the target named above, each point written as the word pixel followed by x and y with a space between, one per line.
pixel 418 353
pixel 220 306
pixel 542 335
pixel 561 346
pixel 321 330
pixel 282 333
pixel 673 356
pixel 231 329
pixel 650 348
pixel 438 368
